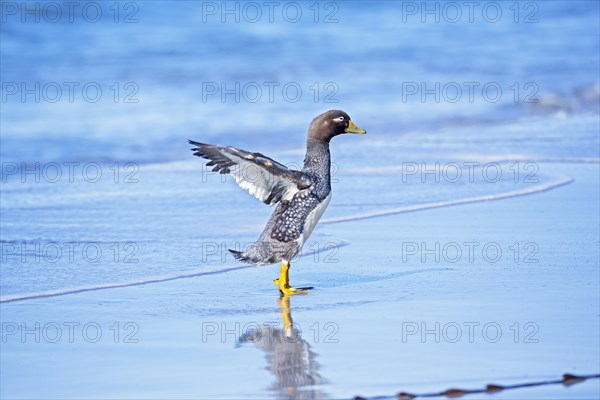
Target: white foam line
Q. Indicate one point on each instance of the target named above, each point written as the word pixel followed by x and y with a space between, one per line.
pixel 157 279
pixel 525 192
pixel 550 160
pixel 392 169
pixel 419 207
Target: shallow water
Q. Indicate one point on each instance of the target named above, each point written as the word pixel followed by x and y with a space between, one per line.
pixel 190 338
pixel 126 226
pixel 101 195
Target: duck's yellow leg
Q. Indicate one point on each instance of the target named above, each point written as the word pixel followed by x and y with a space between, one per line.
pixel 283 282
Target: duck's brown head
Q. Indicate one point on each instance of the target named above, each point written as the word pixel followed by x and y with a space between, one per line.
pixel 330 124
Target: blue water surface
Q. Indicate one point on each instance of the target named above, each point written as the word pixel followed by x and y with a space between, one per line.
pixel 99 189
pixel 159 64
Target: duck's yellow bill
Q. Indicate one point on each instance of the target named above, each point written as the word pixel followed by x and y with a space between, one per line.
pixel 352 128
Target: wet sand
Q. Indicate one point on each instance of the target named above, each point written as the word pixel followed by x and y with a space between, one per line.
pixel 397 309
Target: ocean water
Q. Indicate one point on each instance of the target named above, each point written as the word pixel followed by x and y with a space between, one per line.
pixel 99 187
pixel 167 71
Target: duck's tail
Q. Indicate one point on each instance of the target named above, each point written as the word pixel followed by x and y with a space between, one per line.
pixel 240 256
pixel 252 256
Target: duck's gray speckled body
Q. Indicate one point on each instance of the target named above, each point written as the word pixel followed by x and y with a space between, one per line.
pixel 293 221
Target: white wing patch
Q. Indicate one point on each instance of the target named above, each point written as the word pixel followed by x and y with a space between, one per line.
pixel 258 181
pixel 264 178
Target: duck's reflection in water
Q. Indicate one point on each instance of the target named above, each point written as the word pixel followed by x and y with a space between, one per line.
pixel 289 357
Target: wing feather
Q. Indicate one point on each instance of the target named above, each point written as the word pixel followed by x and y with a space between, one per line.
pixel 263 177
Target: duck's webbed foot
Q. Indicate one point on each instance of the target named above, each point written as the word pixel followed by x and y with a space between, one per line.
pixel 283 282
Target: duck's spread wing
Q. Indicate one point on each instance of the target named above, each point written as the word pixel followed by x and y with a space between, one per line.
pixel 263 177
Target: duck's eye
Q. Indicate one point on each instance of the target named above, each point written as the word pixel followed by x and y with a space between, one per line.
pixel 340 119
